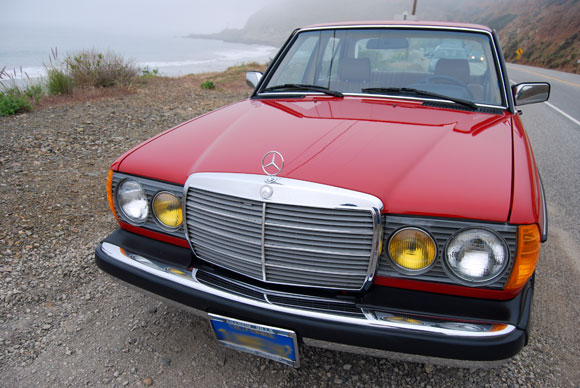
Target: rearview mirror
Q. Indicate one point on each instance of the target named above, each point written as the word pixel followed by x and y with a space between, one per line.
pixel 531 92
pixel 253 78
pixel 387 43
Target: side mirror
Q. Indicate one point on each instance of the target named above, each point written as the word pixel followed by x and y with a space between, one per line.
pixel 531 92
pixel 253 78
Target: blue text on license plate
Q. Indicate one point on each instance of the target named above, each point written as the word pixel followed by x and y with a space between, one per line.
pixel 265 341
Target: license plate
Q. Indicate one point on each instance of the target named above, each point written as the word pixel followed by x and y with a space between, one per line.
pixel 265 341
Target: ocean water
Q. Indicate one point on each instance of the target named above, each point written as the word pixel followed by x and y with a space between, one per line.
pixel 28 51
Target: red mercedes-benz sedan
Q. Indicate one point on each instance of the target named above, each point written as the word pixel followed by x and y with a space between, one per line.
pixel 377 193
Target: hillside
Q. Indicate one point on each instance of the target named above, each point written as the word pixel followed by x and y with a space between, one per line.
pixel 548 31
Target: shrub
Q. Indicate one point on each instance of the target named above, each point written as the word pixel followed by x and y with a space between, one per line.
pixel 34 92
pixel 207 85
pixel 58 82
pixel 16 93
pixel 12 101
pixel 147 72
pixel 93 68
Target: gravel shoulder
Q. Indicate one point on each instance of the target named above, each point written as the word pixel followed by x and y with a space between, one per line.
pixel 64 323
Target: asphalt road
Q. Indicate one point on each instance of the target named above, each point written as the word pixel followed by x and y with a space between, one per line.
pixel 554 130
pixel 565 91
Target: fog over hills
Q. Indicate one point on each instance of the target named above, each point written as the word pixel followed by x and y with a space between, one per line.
pixel 546 30
pixel 274 23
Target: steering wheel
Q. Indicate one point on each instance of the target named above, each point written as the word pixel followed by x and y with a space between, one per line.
pixel 445 79
pixel 451 81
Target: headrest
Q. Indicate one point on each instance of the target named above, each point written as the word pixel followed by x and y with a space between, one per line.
pixel 355 69
pixel 456 68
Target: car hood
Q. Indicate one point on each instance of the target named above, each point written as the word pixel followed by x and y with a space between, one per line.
pixel 416 159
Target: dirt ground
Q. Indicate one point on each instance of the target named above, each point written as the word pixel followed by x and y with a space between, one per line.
pixel 64 323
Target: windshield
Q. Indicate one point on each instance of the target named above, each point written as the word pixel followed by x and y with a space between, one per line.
pixel 460 65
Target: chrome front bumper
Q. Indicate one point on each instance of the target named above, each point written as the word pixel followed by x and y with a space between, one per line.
pixel 379 322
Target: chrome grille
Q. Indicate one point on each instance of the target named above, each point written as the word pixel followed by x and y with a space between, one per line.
pixel 226 231
pixel 283 243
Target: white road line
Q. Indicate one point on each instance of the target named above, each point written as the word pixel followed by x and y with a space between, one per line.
pixel 563 113
pixel 572 119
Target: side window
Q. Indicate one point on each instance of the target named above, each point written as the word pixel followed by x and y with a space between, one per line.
pixel 293 67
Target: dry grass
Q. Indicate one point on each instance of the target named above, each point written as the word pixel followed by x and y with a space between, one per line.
pixel 233 78
pixel 83 95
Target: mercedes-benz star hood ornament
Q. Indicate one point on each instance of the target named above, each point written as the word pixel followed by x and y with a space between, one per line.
pixel 272 165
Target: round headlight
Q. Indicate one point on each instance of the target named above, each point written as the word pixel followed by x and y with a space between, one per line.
pixel 167 210
pixel 412 249
pixel 132 201
pixel 476 255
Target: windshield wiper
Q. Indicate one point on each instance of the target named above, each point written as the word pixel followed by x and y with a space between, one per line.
pixel 313 88
pixel 420 92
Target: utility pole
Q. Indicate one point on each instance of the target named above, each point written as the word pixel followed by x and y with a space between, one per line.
pixel 414 7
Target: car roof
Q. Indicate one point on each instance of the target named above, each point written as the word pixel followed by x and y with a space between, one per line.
pixel 400 23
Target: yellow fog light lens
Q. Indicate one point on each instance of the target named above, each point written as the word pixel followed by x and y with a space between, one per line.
pixel 412 249
pixel 167 210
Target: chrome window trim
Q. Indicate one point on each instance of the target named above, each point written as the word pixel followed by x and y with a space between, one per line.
pixel 495 51
pixel 188 279
pixel 312 194
pixel 402 26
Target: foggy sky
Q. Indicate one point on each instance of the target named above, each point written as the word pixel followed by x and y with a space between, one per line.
pixel 134 17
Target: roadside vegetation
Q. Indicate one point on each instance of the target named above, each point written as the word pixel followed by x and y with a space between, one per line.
pixel 207 84
pixel 147 73
pixel 13 102
pixel 78 73
pixel 88 75
pixel 91 68
pixel 15 98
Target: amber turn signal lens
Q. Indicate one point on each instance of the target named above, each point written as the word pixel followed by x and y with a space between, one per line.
pixel 528 253
pixel 167 210
pixel 412 249
pixel 110 194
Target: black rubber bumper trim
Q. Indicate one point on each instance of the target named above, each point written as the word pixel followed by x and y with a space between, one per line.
pixel 396 340
pixel 152 249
